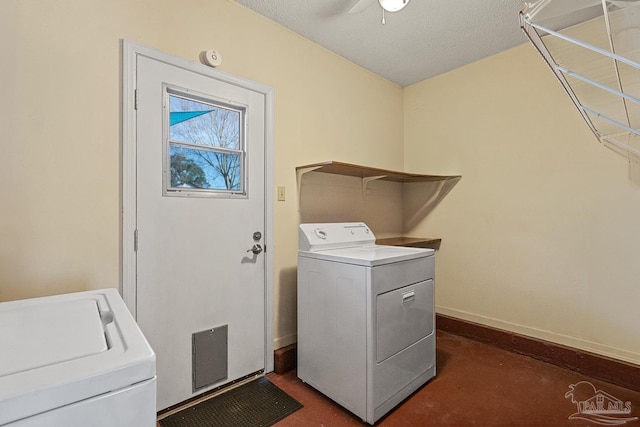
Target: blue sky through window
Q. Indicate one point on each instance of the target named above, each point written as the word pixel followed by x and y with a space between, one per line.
pixel 216 129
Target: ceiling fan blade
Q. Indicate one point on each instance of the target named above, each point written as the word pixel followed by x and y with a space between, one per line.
pixel 361 5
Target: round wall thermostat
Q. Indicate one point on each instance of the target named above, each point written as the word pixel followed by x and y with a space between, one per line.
pixel 211 58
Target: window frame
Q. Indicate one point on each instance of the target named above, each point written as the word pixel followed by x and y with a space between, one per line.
pixel 242 193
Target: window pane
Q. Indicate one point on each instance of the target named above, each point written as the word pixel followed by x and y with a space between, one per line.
pixel 204 169
pixel 203 124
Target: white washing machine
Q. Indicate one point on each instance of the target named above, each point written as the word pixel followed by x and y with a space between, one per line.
pixel 75 360
pixel 366 318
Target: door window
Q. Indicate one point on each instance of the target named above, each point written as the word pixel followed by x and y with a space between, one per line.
pixel 204 149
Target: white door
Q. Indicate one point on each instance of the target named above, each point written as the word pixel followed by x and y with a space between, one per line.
pixel 200 210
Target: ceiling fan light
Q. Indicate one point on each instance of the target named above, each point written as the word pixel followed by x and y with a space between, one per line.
pixel 393 5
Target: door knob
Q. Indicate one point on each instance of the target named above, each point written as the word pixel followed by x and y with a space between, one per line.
pixel 256 249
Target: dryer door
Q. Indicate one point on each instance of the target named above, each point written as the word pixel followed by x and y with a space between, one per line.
pixel 403 317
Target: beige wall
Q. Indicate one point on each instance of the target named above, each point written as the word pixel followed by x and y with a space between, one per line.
pixel 541 236
pixel 60 141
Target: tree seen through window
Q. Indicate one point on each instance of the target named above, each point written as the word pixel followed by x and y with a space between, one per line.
pixel 205 145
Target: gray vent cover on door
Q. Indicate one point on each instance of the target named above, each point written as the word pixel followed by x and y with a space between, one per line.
pixel 209 363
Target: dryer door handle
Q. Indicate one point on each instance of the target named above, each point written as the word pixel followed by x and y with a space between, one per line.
pixel 408 296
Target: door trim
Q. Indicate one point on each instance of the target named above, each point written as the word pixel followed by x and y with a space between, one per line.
pixel 128 286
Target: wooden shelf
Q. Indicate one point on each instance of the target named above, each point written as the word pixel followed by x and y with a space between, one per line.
pixel 365 172
pixel 412 242
pixel 442 185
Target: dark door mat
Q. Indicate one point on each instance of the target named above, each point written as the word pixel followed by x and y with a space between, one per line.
pixel 258 403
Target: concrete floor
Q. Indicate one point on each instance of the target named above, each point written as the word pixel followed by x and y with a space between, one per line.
pixel 477 384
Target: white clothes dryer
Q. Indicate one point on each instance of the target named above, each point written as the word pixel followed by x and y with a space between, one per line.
pixel 75 360
pixel 366 317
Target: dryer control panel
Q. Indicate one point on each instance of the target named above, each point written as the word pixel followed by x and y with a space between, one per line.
pixel 322 236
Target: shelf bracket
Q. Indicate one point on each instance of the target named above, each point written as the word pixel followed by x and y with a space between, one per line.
pixel 365 182
pixel 299 173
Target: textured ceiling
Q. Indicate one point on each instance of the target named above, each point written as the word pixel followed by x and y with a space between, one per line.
pixel 426 38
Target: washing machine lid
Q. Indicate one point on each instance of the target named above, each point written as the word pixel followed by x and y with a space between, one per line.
pixel 59 350
pixel 369 255
pixel 351 243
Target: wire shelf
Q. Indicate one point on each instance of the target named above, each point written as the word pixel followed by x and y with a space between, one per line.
pixel 593 48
